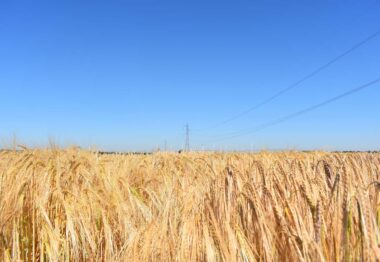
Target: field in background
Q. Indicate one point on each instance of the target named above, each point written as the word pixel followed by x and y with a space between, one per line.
pixel 73 205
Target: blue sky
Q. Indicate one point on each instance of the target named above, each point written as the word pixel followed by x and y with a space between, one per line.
pixel 128 75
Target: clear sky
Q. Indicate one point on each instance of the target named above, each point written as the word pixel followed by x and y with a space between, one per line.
pixel 128 75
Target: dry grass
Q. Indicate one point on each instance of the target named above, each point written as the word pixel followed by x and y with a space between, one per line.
pixel 73 205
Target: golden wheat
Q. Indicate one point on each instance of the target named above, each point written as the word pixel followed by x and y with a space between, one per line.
pixel 75 205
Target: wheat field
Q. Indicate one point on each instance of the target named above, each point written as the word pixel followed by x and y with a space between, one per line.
pixel 76 205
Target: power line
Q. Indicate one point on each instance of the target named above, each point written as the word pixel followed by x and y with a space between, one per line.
pixel 295 84
pixel 303 111
pixel 187 142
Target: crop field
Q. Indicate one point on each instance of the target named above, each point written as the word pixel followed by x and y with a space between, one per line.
pixel 76 205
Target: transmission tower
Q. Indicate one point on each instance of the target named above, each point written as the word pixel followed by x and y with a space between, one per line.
pixel 187 142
